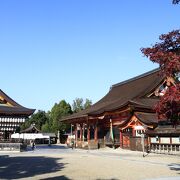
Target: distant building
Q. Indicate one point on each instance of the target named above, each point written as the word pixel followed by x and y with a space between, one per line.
pixel 12 115
pixel 123 115
pixel 33 133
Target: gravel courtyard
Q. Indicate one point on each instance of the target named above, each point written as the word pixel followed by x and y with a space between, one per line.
pixel 60 162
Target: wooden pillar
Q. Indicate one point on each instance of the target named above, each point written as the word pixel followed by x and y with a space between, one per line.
pixel 121 139
pixel 76 135
pixel 170 140
pixel 133 132
pixel 96 132
pixel 81 132
pixel 83 129
pixel 88 132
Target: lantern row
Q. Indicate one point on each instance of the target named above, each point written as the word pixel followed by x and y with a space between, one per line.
pixel 9 124
pixel 19 120
pixel 7 129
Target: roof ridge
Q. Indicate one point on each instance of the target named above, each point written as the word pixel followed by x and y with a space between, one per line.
pixel 14 103
pixel 135 78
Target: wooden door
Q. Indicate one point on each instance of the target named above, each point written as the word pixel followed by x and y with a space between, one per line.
pixel 126 141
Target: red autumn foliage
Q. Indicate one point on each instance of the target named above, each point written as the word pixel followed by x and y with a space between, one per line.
pixel 167 54
pixel 169 105
pixel 176 1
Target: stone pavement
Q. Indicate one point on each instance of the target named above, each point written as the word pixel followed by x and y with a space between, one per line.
pixel 60 162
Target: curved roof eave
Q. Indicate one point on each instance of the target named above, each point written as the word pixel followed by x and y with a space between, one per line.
pixel 123 93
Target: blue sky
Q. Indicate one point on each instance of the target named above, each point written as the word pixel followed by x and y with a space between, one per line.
pixel 62 49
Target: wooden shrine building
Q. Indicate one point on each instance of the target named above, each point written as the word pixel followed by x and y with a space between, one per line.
pixel 12 115
pixel 122 115
pixel 33 133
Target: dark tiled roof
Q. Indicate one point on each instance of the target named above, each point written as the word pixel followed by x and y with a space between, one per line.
pixel 165 131
pixel 30 129
pixel 121 94
pixel 147 118
pixel 15 109
pixel 148 103
pixel 80 114
pixel 7 110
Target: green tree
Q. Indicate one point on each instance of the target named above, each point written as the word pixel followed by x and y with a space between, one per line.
pixel 39 119
pixel 46 127
pixel 25 125
pixel 59 111
pixel 79 104
pixel 87 103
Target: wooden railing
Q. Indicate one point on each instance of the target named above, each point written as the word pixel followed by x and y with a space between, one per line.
pixel 165 148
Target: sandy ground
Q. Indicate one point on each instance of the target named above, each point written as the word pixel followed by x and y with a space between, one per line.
pixel 58 162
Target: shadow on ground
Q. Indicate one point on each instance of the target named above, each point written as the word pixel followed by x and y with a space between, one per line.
pixel 24 167
pixel 174 167
pixel 41 147
pixel 56 178
pixel 53 146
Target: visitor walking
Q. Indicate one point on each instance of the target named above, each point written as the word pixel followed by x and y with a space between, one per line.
pixel 72 143
pixel 32 145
